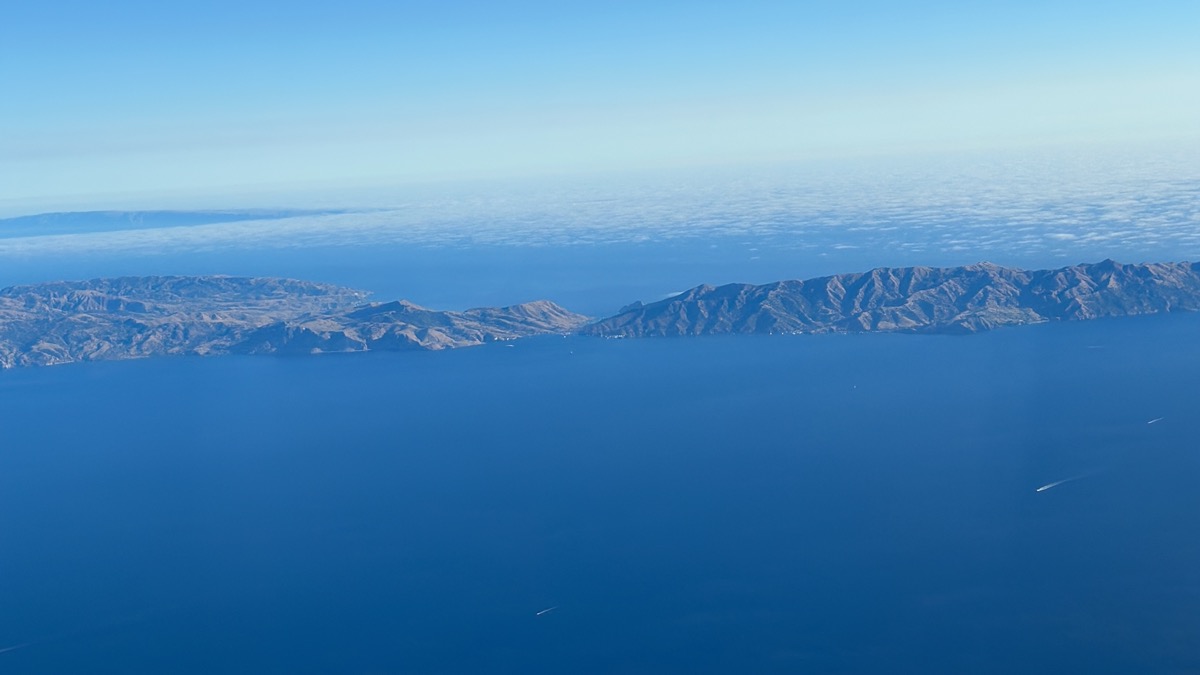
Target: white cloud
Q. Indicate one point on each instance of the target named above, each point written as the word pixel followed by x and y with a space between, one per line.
pixel 980 210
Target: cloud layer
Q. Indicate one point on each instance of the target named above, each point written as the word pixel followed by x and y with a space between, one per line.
pixel 997 210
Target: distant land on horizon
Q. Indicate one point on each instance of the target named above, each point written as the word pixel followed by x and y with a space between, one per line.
pixel 136 317
pixel 85 222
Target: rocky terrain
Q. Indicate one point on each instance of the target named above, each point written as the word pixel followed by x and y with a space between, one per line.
pixel 916 299
pixel 133 317
pixel 403 325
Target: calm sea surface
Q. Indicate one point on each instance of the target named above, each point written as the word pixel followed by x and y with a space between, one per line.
pixel 824 504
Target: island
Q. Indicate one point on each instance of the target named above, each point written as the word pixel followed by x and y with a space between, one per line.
pixel 916 299
pixel 136 317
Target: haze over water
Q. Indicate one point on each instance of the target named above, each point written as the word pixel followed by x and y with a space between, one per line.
pixel 595 244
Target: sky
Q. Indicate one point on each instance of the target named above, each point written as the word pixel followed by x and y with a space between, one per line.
pixel 127 101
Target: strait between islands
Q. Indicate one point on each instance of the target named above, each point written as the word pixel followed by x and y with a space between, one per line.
pixel 135 317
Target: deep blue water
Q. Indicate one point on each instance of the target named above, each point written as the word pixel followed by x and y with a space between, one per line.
pixel 825 504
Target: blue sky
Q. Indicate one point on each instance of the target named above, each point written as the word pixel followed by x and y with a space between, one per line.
pixel 129 100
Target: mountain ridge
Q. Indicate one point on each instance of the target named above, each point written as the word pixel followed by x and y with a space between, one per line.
pixel 136 317
pixel 965 299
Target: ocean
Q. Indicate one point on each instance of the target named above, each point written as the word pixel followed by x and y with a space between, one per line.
pixel 824 504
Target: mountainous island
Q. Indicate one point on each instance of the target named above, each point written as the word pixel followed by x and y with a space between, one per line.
pixel 135 317
pixel 916 299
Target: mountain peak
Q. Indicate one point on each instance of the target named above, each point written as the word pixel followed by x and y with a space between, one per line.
pixel 917 299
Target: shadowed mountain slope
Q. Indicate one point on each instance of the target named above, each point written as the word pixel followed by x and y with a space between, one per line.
pixel 916 299
pixel 134 317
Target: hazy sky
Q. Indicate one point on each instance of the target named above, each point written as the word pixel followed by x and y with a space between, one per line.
pixel 141 98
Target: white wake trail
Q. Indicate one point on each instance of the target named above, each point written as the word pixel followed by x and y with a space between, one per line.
pixel 1056 483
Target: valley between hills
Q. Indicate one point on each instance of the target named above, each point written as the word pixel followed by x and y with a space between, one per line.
pixel 138 317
